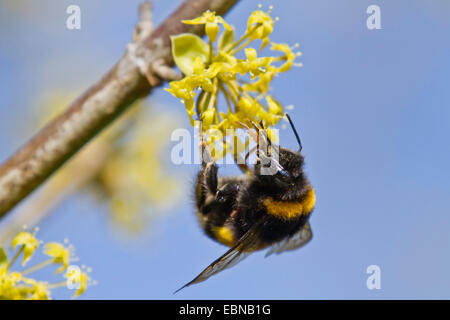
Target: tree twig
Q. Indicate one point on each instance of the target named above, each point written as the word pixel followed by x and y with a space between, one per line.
pixel 98 106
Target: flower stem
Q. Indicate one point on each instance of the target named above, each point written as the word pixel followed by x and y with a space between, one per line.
pixel 281 58
pixel 245 36
pixel 37 267
pixel 57 285
pixel 227 96
pixel 213 101
pixel 211 51
pixel 246 43
pixel 15 256
pixel 233 90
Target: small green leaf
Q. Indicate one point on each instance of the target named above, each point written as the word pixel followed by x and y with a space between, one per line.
pixel 185 48
pixel 226 40
pixel 3 258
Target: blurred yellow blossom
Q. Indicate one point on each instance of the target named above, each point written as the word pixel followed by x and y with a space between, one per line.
pixel 243 82
pixel 78 279
pixel 17 285
pixel 28 243
pixel 39 290
pixel 59 253
pixel 289 55
pixel 135 179
pixel 123 167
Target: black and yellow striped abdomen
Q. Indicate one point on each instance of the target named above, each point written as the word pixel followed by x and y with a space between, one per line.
pixel 290 209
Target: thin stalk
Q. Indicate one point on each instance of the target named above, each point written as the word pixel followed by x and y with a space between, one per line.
pixel 37 267
pixel 16 256
pixel 245 36
pixel 226 95
pixel 246 43
pixel 57 285
pixel 211 51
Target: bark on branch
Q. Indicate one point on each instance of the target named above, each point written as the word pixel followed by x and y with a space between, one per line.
pixel 141 68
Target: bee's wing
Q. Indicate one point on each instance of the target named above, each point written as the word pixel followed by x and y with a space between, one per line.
pixel 247 243
pixel 297 240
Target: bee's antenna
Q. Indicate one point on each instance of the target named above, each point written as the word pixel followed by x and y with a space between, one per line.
pixel 295 132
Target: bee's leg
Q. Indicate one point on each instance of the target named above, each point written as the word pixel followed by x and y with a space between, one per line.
pixel 210 177
pixel 205 154
pixel 206 185
pixel 209 168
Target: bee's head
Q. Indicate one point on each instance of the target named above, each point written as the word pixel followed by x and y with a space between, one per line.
pixel 284 172
pixel 291 164
pixel 281 174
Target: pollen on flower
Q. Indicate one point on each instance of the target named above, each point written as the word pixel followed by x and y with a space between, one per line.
pixel 216 69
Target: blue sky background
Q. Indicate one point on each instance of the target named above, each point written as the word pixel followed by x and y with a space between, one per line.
pixel 372 107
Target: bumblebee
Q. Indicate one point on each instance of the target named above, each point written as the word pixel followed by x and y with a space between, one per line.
pixel 255 211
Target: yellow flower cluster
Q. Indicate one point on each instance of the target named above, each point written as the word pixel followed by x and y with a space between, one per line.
pixel 134 179
pixel 16 285
pixel 244 82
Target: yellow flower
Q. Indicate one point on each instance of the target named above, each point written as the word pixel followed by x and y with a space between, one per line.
pixel 29 243
pixel 222 56
pixel 244 83
pixel 211 22
pixel 77 278
pixel 260 26
pixel 253 64
pixel 83 284
pixel 230 121
pixel 275 107
pixel 262 84
pixel 8 282
pixel 289 56
pixel 190 105
pixel 268 118
pixel 59 253
pixel 39 290
pixel 18 286
pixel 185 88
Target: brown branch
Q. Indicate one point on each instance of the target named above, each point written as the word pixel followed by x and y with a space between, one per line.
pixel 32 164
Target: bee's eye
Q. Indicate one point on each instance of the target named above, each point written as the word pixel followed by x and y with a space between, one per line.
pixel 220 196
